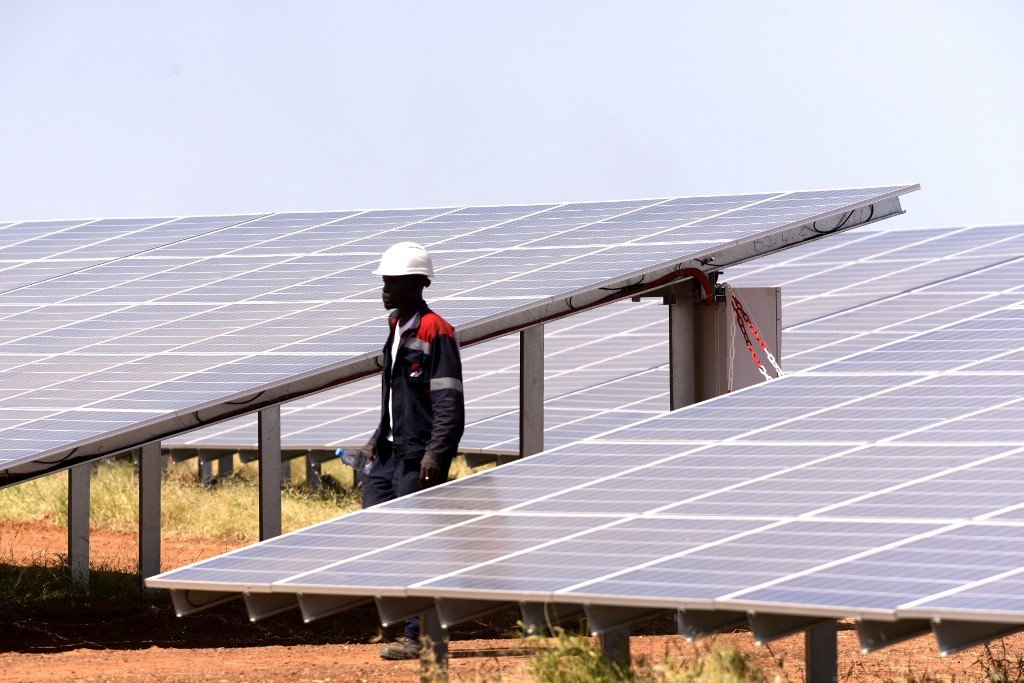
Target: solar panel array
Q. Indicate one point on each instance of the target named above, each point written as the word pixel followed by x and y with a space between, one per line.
pixel 609 367
pixel 885 483
pixel 165 325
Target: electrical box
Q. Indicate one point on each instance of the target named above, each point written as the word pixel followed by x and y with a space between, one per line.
pixel 706 345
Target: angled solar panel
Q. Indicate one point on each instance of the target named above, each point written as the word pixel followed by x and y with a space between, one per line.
pixel 608 366
pixel 167 338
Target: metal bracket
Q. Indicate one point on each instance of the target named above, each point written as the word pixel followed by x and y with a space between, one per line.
pixel 694 624
pixel 954 636
pixel 315 607
pixel 539 617
pixel 701 287
pixel 264 605
pixel 394 610
pixel 769 627
pixel 455 611
pixel 602 618
pixel 874 635
pixel 190 601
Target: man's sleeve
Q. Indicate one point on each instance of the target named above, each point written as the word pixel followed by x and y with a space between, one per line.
pixel 446 398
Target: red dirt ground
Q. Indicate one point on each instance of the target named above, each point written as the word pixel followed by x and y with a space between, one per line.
pixel 137 637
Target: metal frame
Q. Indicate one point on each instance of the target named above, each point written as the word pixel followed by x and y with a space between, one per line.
pixel 698 623
pixel 264 605
pixel 540 617
pixel 634 283
pixel 150 474
pixel 452 612
pixel 78 522
pixel 531 390
pixel 874 635
pixel 270 472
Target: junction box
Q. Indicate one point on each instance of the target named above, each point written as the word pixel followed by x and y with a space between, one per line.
pixel 699 339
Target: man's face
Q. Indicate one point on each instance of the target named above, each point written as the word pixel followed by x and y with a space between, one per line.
pixel 402 291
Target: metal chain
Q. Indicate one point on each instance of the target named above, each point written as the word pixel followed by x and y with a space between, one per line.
pixel 746 338
pixel 741 311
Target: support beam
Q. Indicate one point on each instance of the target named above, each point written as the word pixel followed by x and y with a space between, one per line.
pixel 769 627
pixel 265 605
pixel 315 607
pixel 604 619
pixel 615 646
pixel 270 471
pixel 694 624
pixel 434 656
pixel 821 654
pixel 452 612
pixel 681 354
pixel 874 635
pixel 225 465
pixel 78 522
pixel 394 610
pixel 188 602
pixel 540 617
pixel 150 471
pixel 531 390
pixel 313 472
pixel 953 636
pixel 205 471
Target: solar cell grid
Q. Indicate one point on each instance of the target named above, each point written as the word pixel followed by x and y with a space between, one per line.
pixel 877 492
pixel 806 345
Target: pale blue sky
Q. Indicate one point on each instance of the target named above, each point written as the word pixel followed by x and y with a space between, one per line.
pixel 142 108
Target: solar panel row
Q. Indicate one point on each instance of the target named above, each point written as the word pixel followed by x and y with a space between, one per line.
pixel 631 364
pixel 880 484
pixel 166 338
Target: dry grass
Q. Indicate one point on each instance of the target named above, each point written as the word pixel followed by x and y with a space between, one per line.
pixel 567 658
pixel 226 510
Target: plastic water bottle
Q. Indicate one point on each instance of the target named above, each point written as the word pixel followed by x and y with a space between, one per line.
pixel 357 458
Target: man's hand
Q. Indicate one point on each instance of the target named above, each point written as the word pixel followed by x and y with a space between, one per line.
pixel 371 450
pixel 430 471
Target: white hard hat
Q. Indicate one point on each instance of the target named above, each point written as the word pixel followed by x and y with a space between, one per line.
pixel 405 258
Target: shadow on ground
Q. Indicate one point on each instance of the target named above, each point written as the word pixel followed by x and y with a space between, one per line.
pixel 45 611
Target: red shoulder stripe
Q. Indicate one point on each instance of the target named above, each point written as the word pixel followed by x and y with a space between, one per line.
pixel 432 325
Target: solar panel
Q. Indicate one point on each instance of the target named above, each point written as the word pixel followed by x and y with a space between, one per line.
pixel 874 486
pixel 167 339
pixel 584 351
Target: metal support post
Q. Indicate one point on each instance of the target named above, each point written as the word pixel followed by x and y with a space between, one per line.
pixel 150 469
pixel 78 522
pixel 434 657
pixel 681 354
pixel 615 646
pixel 312 473
pixel 531 390
pixel 821 653
pixel 225 465
pixel 205 471
pixel 270 471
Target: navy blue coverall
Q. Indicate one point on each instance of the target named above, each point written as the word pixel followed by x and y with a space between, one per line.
pixel 424 387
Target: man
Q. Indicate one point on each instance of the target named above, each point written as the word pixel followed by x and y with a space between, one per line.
pixel 422 414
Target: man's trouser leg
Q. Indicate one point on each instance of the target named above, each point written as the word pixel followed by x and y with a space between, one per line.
pixel 377 485
pixel 407 480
